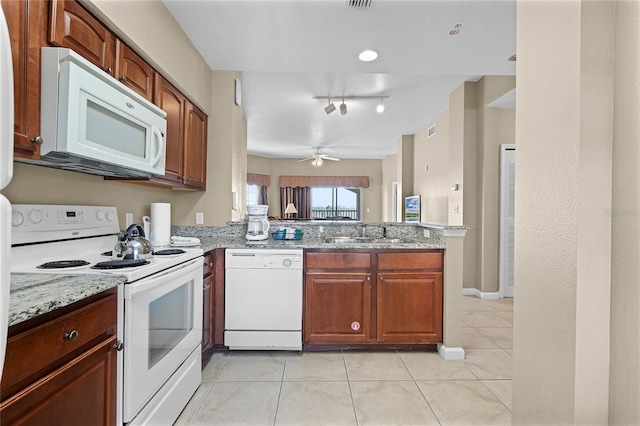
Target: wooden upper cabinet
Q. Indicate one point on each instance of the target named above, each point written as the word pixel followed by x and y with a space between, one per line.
pixel 173 103
pixel 74 27
pixel 133 71
pixel 195 148
pixel 27 22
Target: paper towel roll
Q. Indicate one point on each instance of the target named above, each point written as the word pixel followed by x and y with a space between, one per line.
pixel 160 224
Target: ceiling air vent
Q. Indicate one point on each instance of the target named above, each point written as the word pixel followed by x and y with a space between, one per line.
pixel 359 4
pixel 431 131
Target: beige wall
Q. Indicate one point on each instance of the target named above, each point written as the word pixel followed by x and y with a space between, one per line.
pixel 563 228
pixel 496 126
pixel 624 396
pixel 389 176
pixel 431 170
pixel 276 167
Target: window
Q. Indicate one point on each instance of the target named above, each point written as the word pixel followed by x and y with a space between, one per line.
pixel 252 194
pixel 336 203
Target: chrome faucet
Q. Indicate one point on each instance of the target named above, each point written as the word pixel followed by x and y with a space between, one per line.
pixel 362 230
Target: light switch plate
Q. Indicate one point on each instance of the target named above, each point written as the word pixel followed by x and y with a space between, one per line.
pixel 128 219
pixel 199 218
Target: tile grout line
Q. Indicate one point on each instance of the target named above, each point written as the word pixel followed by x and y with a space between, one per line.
pixel 275 417
pixel 204 397
pixel 419 390
pixel 353 403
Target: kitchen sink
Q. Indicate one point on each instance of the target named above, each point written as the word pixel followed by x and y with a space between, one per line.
pixel 366 240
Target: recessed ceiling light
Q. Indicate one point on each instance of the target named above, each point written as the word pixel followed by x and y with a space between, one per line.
pixel 368 55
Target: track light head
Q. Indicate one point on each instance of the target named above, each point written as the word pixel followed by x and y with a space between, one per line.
pixel 330 108
pixel 343 108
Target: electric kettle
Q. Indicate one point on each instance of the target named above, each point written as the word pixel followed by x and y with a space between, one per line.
pixel 132 244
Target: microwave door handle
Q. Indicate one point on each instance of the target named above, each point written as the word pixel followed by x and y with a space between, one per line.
pixel 158 145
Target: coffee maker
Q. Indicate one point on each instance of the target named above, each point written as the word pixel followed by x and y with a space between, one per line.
pixel 258 224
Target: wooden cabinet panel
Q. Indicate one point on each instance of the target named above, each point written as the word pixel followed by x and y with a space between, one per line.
pixel 195 148
pixel 337 308
pixel 410 260
pixel 82 392
pixel 41 349
pixel 207 314
pixel 27 22
pixel 133 71
pixel 409 307
pixel 74 27
pixel 338 260
pixel 209 263
pixel 173 103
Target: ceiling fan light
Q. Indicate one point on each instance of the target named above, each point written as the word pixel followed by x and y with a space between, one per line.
pixel 343 108
pixel 317 162
pixel 380 108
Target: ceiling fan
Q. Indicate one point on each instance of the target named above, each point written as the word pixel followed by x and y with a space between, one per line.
pixel 318 159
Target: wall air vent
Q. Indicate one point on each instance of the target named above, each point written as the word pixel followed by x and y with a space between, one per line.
pixel 359 4
pixel 431 131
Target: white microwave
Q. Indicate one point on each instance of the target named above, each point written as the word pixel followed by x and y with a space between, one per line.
pixel 92 123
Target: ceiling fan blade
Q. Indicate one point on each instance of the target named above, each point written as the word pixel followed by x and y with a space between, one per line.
pixel 331 158
pixel 306 159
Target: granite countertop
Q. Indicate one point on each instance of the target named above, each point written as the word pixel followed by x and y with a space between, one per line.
pixel 210 243
pixel 36 294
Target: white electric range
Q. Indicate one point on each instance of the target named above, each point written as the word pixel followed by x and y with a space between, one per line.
pixel 159 309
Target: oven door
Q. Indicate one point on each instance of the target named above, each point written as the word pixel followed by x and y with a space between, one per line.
pixel 162 326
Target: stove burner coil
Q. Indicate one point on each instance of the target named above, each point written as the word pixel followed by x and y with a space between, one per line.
pixel 168 252
pixel 119 264
pixel 63 264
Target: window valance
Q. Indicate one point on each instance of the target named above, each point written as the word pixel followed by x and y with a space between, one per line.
pixel 258 180
pixel 324 181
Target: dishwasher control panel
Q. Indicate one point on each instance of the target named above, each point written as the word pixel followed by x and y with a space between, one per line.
pixel 263 258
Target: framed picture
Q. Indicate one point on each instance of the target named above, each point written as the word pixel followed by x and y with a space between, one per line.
pixel 412 208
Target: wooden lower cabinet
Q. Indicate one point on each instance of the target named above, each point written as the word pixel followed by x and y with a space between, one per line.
pixel 63 369
pixel 213 302
pixel 409 307
pixel 373 297
pixel 337 307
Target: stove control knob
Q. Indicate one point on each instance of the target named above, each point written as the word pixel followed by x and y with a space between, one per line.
pixel 286 263
pixel 110 216
pixel 35 216
pixel 16 218
pixel 100 215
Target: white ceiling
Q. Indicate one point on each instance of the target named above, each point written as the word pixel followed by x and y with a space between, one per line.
pixel 290 51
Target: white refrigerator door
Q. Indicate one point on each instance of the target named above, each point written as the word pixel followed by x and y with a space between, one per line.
pixel 6 105
pixel 6 173
pixel 5 275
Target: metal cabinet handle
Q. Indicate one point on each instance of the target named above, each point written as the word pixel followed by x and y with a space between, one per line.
pixel 37 140
pixel 123 79
pixel 109 70
pixel 368 278
pixel 118 346
pixel 381 278
pixel 210 264
pixel 71 335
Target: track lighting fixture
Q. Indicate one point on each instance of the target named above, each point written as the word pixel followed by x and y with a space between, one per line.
pixel 380 108
pixel 330 108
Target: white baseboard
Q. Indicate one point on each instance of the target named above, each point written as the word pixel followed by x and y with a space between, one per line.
pixel 493 295
pixel 450 354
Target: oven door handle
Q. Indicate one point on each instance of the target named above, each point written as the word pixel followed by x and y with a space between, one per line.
pixel 149 283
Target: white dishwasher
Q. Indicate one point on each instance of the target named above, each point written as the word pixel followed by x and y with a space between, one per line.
pixel 263 299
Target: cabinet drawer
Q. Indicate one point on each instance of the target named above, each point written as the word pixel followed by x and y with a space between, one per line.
pixel 338 260
pixel 208 264
pixel 36 352
pixel 431 261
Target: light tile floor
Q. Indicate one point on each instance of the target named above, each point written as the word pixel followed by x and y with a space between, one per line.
pixel 366 388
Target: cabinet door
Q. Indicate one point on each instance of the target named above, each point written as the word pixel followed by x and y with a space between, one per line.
pixel 337 308
pixel 27 22
pixel 207 314
pixel 82 392
pixel 74 27
pixel 409 307
pixel 133 71
pixel 195 148
pixel 173 103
